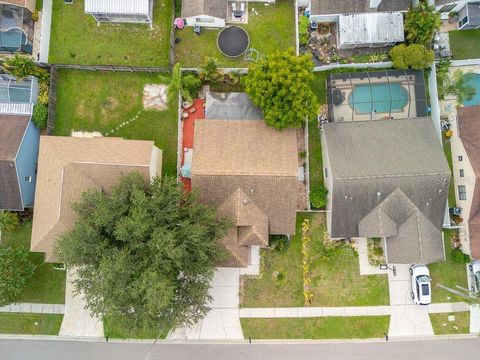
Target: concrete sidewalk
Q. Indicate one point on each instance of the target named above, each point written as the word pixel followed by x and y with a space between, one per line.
pixel 33 308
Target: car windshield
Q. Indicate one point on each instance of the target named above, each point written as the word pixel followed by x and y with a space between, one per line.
pixel 425 289
pixel 423 279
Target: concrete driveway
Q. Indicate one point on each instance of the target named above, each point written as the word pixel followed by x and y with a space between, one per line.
pixel 407 319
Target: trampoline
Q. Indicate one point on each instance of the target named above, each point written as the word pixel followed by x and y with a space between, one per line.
pixel 233 41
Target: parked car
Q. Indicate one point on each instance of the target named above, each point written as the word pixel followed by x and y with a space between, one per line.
pixel 474 268
pixel 421 285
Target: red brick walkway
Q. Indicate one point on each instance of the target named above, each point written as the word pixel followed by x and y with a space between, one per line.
pixel 189 131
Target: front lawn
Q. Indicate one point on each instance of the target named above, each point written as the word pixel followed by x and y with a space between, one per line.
pixel 101 101
pixel 77 39
pixel 442 326
pixel 117 328
pixel 47 285
pixel 448 273
pixel 334 274
pixel 30 324
pixel 465 44
pixel 361 327
pixel 272 29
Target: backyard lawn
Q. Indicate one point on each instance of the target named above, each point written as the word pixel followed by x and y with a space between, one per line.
pixel 47 285
pixel 117 328
pixel 361 327
pixel 465 44
pixel 272 29
pixel 76 38
pixel 441 325
pixel 334 275
pixel 101 101
pixel 448 273
pixel 30 324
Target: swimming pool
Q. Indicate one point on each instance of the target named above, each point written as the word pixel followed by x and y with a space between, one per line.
pixel 379 98
pixel 473 80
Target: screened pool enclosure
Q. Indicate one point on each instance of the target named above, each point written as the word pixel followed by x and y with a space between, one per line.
pixel 16 29
pixel 376 95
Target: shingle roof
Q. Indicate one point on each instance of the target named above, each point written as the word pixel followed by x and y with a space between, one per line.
pixel 69 166
pixel 139 7
pixel 215 8
pixel 387 177
pixel 12 130
pixel 469 133
pixel 325 7
pixel 231 106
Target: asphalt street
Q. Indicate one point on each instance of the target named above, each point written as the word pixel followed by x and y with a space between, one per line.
pixel 447 349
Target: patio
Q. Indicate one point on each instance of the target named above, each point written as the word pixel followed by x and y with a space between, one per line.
pixel 237 12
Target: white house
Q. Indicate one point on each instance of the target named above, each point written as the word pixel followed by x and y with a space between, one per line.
pixel 205 13
pixel 121 11
pixel 468 11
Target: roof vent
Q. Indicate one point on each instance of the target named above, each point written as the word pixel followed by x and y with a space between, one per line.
pixel 245 201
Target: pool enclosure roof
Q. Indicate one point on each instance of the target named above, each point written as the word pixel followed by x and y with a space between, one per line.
pixel 376 95
pixel 17 97
pixel 370 28
pixel 16 29
pixel 118 6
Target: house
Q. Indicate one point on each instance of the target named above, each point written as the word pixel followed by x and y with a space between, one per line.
pixel 19 139
pixel 121 11
pixel 16 26
pixel 387 179
pixel 466 172
pixel 205 13
pixel 249 172
pixel 468 12
pixel 231 106
pixel 69 166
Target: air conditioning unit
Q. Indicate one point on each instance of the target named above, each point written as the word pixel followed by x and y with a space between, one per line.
pixel 68 1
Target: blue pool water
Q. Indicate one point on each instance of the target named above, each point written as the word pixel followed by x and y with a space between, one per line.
pixel 473 80
pixel 381 98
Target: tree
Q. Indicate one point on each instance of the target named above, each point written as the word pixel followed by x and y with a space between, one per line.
pixel 19 66
pixel 15 271
pixel 210 70
pixel 413 56
pixel 421 24
pixel 457 85
pixel 190 85
pixel 144 253
pixel 8 222
pixel 280 85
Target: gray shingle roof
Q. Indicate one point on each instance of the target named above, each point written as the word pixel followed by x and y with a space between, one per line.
pixel 231 106
pixel 215 8
pixel 325 7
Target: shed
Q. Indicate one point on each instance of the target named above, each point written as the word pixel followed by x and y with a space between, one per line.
pixel 120 11
pixel 370 30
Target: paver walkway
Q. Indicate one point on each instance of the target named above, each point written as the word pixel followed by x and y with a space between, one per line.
pixel 34 308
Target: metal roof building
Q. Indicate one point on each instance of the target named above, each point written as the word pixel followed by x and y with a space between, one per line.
pixel 126 11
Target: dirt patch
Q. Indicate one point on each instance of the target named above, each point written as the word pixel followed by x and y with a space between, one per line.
pixel 108 106
pixel 155 97
pixel 83 111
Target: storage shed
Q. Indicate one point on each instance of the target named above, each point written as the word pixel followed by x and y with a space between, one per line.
pixel 120 11
pixel 370 30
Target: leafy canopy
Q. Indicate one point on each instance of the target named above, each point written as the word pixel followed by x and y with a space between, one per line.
pixel 458 85
pixel 8 221
pixel 421 24
pixel 280 84
pixel 414 56
pixel 145 254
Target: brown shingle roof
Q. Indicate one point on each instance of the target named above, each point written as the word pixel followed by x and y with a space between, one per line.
pixel 469 132
pixel 67 167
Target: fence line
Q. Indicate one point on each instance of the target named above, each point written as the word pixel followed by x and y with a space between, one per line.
pixel 52 101
pixel 379 65
pixel 106 68
pixel 172 55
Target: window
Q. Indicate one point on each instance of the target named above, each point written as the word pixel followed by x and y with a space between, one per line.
pixel 462 192
pixel 460 158
pixel 461 173
pixel 28 178
pixel 463 22
pixel 447 8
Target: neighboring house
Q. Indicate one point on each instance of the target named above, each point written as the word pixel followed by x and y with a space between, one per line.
pixel 69 166
pixel 466 172
pixel 121 11
pixel 249 172
pixel 468 12
pixel 387 179
pixel 205 13
pixel 18 161
pixel 231 106
pixel 16 26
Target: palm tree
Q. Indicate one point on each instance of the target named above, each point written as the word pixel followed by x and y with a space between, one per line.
pixel 457 85
pixel 8 222
pixel 210 71
pixel 421 23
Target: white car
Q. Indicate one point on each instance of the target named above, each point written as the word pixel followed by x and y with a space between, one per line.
pixel 474 268
pixel 421 285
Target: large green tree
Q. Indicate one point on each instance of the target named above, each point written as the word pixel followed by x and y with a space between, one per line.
pixel 414 56
pixel 280 84
pixel 421 23
pixel 144 253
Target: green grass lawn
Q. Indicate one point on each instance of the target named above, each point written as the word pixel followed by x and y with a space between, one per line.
pixel 361 327
pixel 461 325
pixel 18 323
pixel 117 328
pixel 448 273
pixel 465 44
pixel 273 29
pixel 335 279
pixel 76 38
pixel 447 149
pixel 47 284
pixel 100 101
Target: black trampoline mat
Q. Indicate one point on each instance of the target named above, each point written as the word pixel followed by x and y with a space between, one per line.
pixel 233 41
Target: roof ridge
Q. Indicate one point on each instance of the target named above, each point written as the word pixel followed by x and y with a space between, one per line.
pixel 391 176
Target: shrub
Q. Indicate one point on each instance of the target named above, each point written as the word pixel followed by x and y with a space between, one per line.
pixel 303 30
pixel 35 16
pixel 302 154
pixel 43 93
pixel 280 276
pixel 39 117
pixel 318 197
pixel 8 221
pixel 279 242
pixel 421 23
pixel 190 85
pixel 459 257
pixel 411 57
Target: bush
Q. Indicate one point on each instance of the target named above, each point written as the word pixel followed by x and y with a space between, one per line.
pixel 459 257
pixel 318 197
pixel 190 85
pixel 303 30
pixel 421 23
pixel 279 242
pixel 43 93
pixel 39 117
pixel 414 56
